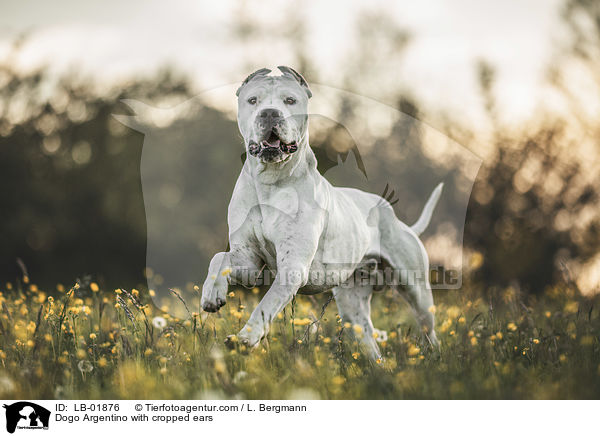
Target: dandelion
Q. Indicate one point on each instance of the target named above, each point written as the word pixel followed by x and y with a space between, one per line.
pixel 31 327
pixel 220 367
pixel 446 325
pixel 338 380
pixel 413 350
pixel 357 329
pixel 92 336
pixel 476 260
pixel 102 362
pixel 347 325
pixel 511 326
pixel 94 287
pixel 548 314
pixel 255 290
pixel 80 353
pixel 326 340
pixel 572 307
pixel 536 341
pixel 159 322
pixel 473 341
pixel 300 321
pixel 453 312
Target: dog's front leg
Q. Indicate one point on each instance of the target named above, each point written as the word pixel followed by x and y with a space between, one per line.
pixel 238 265
pixel 285 286
pixel 214 289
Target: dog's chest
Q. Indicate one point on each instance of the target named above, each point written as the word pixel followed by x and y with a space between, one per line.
pixel 276 221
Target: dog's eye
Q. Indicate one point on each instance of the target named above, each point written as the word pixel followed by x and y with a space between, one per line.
pixel 289 100
pixel 252 100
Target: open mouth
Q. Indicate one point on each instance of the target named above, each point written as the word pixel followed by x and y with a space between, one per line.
pixel 272 146
pixel 272 141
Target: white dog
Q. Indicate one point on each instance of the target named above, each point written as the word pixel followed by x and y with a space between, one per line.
pixel 314 237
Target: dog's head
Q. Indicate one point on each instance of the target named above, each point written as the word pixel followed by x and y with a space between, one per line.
pixel 273 114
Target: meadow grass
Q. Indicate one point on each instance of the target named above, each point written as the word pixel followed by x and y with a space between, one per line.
pixel 86 343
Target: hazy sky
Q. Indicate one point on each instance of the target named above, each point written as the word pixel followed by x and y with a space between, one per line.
pixel 116 40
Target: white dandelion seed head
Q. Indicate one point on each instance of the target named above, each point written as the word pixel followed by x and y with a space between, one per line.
pixel 85 366
pixel 6 385
pixel 159 322
pixel 239 376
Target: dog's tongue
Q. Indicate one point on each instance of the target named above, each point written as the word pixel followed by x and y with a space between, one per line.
pixel 273 140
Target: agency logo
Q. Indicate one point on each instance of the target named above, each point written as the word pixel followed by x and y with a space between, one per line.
pixel 26 415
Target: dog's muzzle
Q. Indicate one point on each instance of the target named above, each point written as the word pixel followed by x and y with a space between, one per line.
pixel 270 146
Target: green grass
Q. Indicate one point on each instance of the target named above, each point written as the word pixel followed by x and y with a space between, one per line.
pixel 81 344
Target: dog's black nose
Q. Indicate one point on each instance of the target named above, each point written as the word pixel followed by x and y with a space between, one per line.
pixel 270 116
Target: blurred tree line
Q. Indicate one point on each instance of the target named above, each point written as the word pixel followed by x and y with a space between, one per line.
pixel 71 200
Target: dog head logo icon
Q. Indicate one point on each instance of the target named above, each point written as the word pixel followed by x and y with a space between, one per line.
pixel 26 415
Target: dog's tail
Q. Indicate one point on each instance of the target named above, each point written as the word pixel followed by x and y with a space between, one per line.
pixel 423 221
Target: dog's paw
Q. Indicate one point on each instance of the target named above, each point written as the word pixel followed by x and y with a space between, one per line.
pixel 213 306
pixel 214 294
pixel 233 342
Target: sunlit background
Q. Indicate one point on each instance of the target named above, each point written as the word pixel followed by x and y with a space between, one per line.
pixel 515 83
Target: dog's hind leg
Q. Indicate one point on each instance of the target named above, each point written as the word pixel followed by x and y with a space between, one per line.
pixel 354 306
pixel 410 271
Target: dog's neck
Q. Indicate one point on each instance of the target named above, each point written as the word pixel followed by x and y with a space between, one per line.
pixel 300 164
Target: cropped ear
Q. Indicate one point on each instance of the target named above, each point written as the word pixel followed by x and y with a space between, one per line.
pixel 261 72
pixel 290 72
